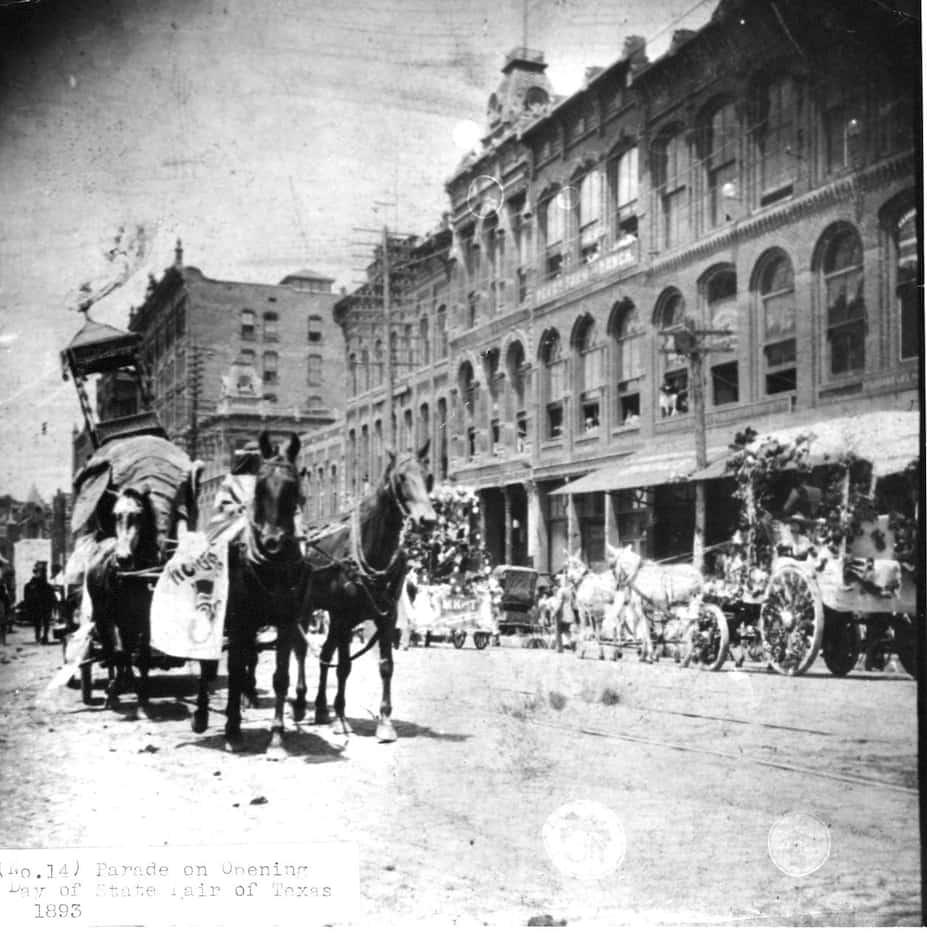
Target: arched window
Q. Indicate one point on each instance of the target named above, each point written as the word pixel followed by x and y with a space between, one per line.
pixel 424 425
pixel 552 231
pixel 467 393
pixel 776 288
pixel 334 490
pixel 424 340
pixel 845 316
pixel 671 179
pixel 720 292
pixel 589 352
pixel 720 142
pixel 365 368
pixel 364 475
pixel 907 276
pixel 442 438
pixel 629 362
pixel 553 383
pixel 441 327
pixel 351 464
pixel 378 363
pixel 673 392
pixel 515 366
pixel 776 107
pixel 622 194
pixel 409 348
pixel 588 206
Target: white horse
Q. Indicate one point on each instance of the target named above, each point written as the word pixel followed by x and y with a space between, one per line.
pixel 665 596
pixel 599 608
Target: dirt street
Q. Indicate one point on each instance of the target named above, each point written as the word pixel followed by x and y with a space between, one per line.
pixel 687 773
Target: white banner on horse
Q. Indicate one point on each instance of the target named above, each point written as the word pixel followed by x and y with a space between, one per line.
pixel 188 607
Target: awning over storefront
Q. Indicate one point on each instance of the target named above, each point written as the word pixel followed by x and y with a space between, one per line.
pixel 889 440
pixel 649 467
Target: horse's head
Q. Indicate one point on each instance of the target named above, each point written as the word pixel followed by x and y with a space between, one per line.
pixel 133 518
pixel 277 496
pixel 405 479
pixel 575 569
pixel 624 563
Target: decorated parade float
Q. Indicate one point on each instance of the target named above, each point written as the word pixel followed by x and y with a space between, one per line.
pixel 451 591
pixel 825 555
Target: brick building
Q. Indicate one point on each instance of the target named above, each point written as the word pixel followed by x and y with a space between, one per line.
pixel 228 359
pixel 760 178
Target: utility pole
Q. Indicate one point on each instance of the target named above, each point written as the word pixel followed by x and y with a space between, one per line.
pixel 690 342
pixel 388 440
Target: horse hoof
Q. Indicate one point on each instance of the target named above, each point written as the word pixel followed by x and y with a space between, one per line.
pixel 200 722
pixel 234 742
pixel 322 716
pixel 249 701
pixel 275 748
pixel 299 711
pixel 386 732
pixel 341 727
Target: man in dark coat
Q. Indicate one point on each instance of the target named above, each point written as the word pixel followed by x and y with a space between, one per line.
pixel 39 601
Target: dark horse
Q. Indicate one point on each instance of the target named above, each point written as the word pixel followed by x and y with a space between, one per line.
pixel 357 575
pixel 121 597
pixel 268 586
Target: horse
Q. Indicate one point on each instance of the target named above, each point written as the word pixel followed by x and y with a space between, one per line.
pixel 358 575
pixel 269 582
pixel 653 593
pixel 121 597
pixel 593 592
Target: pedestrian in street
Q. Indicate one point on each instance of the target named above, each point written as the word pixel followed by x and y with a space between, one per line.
pixel 39 601
pixel 566 610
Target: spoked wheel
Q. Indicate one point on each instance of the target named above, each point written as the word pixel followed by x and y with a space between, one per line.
pixel 840 645
pixel 792 621
pixel 481 639
pixel 459 638
pixel 711 638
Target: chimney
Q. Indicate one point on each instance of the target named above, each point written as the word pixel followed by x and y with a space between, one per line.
pixel 635 51
pixel 592 72
pixel 178 254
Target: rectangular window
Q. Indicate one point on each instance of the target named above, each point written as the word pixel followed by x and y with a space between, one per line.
pixel 315 329
pixel 673 395
pixel 270 326
pixel 315 370
pixel 909 303
pixel 724 383
pixel 623 194
pixel 555 420
pixel 247 325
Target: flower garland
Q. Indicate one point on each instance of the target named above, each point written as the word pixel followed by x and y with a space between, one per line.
pixel 451 551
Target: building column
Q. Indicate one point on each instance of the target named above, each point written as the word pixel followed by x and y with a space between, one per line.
pixel 537 526
pixel 507 499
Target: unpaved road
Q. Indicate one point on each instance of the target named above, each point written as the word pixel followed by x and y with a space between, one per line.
pixel 695 768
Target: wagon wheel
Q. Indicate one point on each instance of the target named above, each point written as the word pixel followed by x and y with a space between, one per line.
pixel 481 639
pixel 711 638
pixel 459 637
pixel 841 643
pixel 792 621
pixel 906 645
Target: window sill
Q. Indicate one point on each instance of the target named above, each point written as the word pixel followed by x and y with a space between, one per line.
pixel 626 429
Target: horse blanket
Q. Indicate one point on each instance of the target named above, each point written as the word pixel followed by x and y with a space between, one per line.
pixel 144 462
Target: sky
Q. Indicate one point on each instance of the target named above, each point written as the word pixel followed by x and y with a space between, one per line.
pixel 263 134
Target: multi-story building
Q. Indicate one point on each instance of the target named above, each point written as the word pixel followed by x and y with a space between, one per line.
pixel 228 359
pixel 758 182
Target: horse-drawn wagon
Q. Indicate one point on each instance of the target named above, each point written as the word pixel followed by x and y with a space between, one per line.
pixel 832 570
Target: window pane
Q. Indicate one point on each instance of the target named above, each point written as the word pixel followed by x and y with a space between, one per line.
pixel 845 297
pixel 779 313
pixel 627 177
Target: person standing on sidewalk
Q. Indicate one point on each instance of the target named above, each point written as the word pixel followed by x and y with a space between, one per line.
pixel 6 611
pixel 39 600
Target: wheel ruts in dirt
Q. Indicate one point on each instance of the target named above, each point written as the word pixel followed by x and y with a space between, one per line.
pixel 841 644
pixel 792 620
